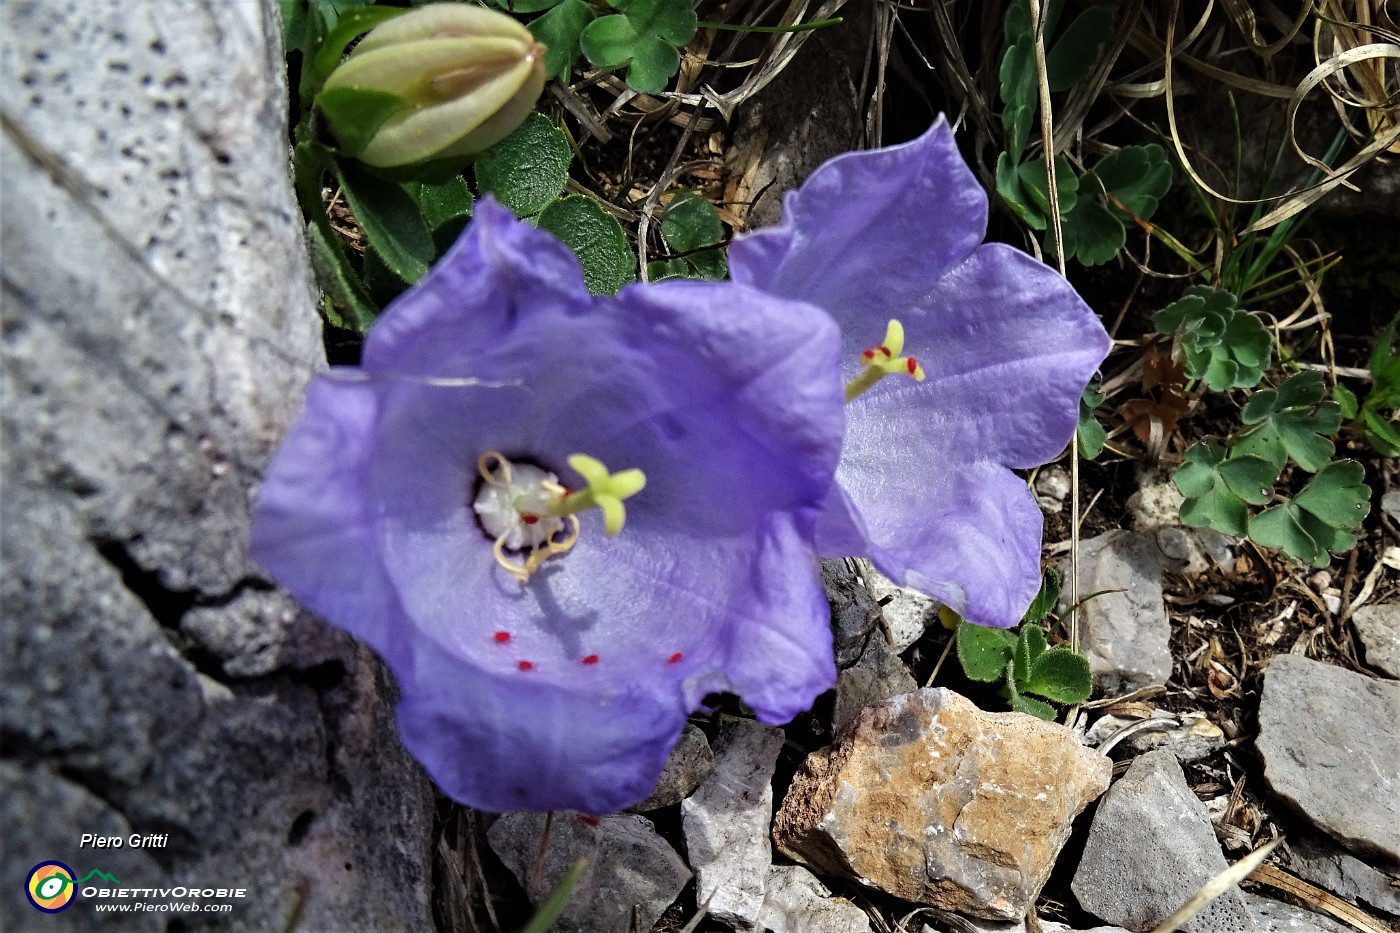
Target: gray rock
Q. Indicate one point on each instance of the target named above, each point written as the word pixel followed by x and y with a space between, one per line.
pixel 631 878
pixel 726 823
pixel 907 612
pixel 1124 632
pixel 1156 510
pixel 798 903
pixel 1273 916
pixel 1327 865
pixel 1379 628
pixel 1390 504
pixel 1190 737
pixel 1330 741
pixel 160 326
pixel 1052 488
pixel 1050 926
pixel 1150 849
pixel 869 669
pixel 689 763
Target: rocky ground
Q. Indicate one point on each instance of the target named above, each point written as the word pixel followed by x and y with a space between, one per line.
pixel 159 324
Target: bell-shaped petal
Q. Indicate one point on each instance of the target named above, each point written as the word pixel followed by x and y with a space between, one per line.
pixel 567 690
pixel 1003 343
pixel 466 76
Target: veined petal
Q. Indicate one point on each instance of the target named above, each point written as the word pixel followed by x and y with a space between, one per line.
pixel 868 230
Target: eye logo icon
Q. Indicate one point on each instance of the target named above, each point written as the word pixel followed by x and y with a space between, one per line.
pixel 50 887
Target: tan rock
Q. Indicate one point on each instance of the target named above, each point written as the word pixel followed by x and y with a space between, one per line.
pixel 930 799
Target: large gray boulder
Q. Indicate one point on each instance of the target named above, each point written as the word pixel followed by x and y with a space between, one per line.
pixel 159 327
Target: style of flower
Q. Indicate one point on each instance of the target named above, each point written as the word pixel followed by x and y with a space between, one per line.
pixel 563 520
pixel 994 349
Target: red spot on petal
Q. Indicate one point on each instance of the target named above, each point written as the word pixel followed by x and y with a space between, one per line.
pixel 675 658
pixel 590 820
pixel 913 365
pixel 529 519
pixel 590 659
pixel 525 665
pixel 501 637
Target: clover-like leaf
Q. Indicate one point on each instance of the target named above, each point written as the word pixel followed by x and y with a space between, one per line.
pixel 1092 233
pixel 1018 94
pixel 1321 518
pixel 529 168
pixel 1061 675
pixel 983 652
pixel 560 31
pixel 1135 177
pixel 526 6
pixel 1291 421
pixel 1217 488
pixel 1090 435
pixel 1224 346
pixel 1034 183
pixel 596 238
pixel 646 36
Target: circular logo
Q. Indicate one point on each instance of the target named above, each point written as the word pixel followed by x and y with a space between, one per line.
pixel 50 887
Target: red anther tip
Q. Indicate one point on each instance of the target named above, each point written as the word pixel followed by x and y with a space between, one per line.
pixel 590 659
pixel 529 519
pixel 868 355
pixel 884 349
pixel 913 365
pixel 502 637
pixel 675 658
pixel 525 665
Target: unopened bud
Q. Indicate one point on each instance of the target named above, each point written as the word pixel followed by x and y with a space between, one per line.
pixel 466 77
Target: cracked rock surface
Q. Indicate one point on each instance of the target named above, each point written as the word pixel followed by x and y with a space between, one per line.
pixel 159 329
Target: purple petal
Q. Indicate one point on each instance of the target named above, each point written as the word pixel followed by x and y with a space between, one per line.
pixel 868 229
pixel 497 270
pixel 568 691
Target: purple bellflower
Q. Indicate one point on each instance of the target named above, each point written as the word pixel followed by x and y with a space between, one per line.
pixel 984 355
pixel 453 503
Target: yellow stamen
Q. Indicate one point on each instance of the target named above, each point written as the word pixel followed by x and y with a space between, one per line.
pixel 884 359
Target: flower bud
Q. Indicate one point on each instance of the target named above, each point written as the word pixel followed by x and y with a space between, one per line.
pixel 466 77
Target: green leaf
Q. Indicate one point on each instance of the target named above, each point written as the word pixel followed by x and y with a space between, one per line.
pixel 646 37
pixel 1209 499
pixel 1382 435
pixel 1078 49
pixel 559 30
pixel 1321 518
pixel 441 203
pixel 1061 675
pixel 1291 422
pixel 1046 597
pixel 1346 401
pixel 349 306
pixel 1136 177
pixel 1226 347
pixel 1018 93
pixel 1033 182
pixel 1029 647
pixel 1014 194
pixel 295 25
pixel 355 115
pixel 526 6
pixel 597 240
pixel 983 652
pixel 690 223
pixel 529 168
pixel 1025 704
pixel 553 906
pixel 391 221
pixel 1092 233
pixel 1337 495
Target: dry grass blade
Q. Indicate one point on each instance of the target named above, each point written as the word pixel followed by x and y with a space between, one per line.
pixel 1243 17
pixel 1217 886
pixel 1322 900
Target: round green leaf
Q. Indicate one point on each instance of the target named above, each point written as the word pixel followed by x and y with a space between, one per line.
pixel 1062 675
pixel 983 652
pixel 691 223
pixel 529 168
pixel 597 240
pixel 560 30
pixel 609 41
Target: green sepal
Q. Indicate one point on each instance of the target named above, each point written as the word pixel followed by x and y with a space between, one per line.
pixel 355 114
pixel 348 26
